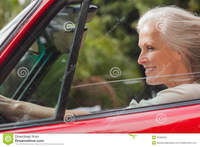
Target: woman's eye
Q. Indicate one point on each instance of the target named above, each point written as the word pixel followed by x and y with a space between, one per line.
pixel 150 48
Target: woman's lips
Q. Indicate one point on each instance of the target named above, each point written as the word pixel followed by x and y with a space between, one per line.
pixel 148 70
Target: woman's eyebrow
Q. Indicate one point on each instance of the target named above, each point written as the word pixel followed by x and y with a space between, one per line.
pixel 142 45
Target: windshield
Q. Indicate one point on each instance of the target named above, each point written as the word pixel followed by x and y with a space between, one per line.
pixel 4 33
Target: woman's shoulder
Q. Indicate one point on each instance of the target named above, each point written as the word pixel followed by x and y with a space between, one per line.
pixel 183 89
pixel 176 94
pixel 180 93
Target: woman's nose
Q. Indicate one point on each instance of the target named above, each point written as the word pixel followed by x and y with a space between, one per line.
pixel 142 59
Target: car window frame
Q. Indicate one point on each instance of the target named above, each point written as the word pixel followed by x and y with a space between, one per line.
pixel 72 60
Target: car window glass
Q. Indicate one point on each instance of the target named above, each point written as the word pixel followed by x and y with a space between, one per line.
pixel 108 74
pixel 37 77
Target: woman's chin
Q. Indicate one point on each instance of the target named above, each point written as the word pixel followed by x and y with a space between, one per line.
pixel 151 81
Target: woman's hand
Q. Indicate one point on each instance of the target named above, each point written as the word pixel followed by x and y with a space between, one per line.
pixel 69 114
pixel 8 107
pixel 14 110
pixel 21 111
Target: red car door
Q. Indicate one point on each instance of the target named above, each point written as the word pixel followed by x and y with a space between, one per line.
pixel 177 119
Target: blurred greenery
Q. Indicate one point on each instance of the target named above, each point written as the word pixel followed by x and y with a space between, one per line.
pixel 8 10
pixel 111 41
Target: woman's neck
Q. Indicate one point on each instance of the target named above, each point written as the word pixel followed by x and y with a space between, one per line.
pixel 173 82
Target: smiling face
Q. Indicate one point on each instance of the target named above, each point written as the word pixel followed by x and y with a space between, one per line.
pixel 159 60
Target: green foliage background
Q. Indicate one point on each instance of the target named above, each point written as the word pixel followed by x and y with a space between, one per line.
pixel 112 41
pixel 9 9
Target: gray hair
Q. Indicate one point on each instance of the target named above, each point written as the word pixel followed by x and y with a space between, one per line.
pixel 180 29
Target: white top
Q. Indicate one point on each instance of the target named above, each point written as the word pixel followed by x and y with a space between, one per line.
pixel 179 93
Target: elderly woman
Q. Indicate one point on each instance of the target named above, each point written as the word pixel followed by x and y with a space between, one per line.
pixel 169 39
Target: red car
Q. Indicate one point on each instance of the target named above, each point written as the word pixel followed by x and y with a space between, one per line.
pixel 39 52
